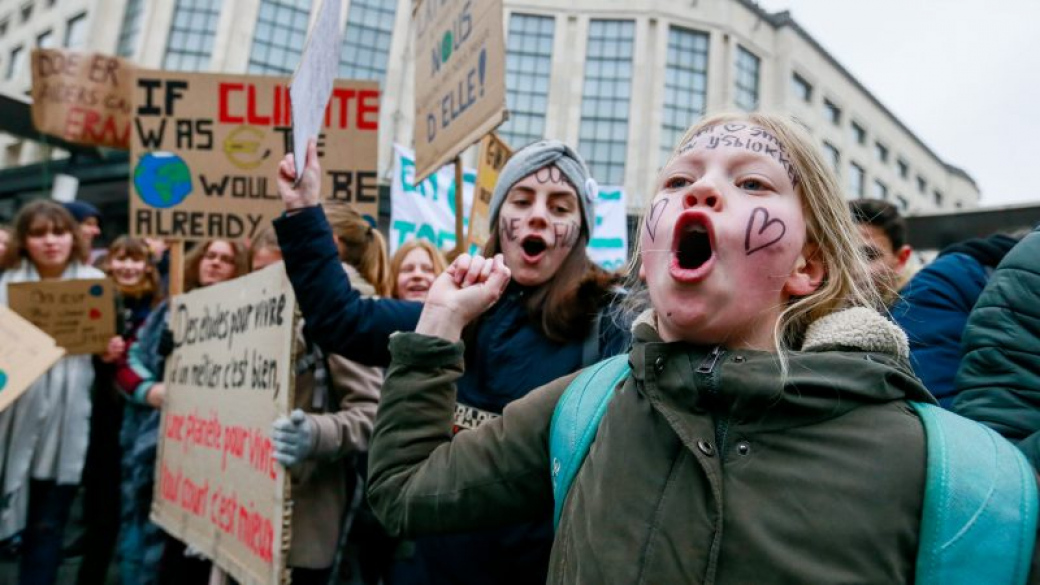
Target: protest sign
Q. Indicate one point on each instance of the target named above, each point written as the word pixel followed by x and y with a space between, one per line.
pixel 425 210
pixel 609 244
pixel 494 153
pixel 313 79
pixel 79 314
pixel 229 377
pixel 205 150
pixel 26 353
pixel 83 98
pixel 460 91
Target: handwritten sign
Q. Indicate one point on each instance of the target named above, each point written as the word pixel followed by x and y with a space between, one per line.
pixel 26 353
pixel 229 377
pixel 82 97
pixel 460 90
pixel 79 314
pixel 205 150
pixel 494 153
pixel 312 82
pixel 425 210
pixel 609 244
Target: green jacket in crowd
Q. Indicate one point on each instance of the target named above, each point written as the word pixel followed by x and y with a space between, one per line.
pixel 705 469
pixel 998 383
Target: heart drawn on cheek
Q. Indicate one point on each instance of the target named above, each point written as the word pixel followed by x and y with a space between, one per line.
pixel 653 218
pixel 764 233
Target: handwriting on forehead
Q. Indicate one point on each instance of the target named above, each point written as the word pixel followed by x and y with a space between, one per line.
pixel 549 174
pixel 759 141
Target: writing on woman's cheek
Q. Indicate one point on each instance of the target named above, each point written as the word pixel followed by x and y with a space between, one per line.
pixel 762 231
pixel 653 218
pixel 566 233
pixel 508 227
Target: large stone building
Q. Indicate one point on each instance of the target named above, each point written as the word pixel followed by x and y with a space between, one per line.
pixel 621 79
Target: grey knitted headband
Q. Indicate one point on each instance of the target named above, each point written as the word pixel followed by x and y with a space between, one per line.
pixel 537 156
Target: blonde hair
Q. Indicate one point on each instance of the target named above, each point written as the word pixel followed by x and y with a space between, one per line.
pixel 265 239
pixel 363 247
pixel 828 225
pixel 436 258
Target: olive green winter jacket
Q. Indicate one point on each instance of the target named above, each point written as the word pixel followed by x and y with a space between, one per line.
pixel 707 467
pixel 998 383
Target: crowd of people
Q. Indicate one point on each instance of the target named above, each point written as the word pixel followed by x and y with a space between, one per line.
pixel 777 343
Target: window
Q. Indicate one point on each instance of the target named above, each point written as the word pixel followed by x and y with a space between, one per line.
pixel 51 3
pixel 26 11
pixel 922 185
pixel 131 27
pixel 366 41
pixel 603 135
pixel 904 168
pixel 832 112
pixel 3 26
pixel 529 49
pixel 859 134
pixel 832 154
pixel 802 89
pixel 685 86
pixel 938 198
pixel 279 36
pixel 16 62
pixel 76 31
pixel 881 152
pixel 902 203
pixel 191 35
pixel 880 191
pixel 747 79
pixel 856 178
pixel 45 40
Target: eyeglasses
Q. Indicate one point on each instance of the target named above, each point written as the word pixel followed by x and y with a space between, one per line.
pixel 226 259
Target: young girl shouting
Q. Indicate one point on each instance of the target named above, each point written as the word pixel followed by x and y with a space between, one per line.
pixel 764 433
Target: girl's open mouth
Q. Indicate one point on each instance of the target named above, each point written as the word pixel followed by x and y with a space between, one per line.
pixel 693 247
pixel 534 248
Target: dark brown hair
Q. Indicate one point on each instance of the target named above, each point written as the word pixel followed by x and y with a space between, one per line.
pixel 564 306
pixel 136 249
pixel 48 211
pixel 882 215
pixel 194 261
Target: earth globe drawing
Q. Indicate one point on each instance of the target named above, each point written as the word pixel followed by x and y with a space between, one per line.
pixel 162 179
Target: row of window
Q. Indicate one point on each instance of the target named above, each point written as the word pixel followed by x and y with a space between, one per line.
pixel 75 37
pixel 25 12
pixel 803 90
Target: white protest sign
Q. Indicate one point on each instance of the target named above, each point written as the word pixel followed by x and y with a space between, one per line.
pixel 312 82
pixel 426 210
pixel 229 377
pixel 26 353
pixel 609 244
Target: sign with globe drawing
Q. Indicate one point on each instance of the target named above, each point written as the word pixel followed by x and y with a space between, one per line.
pixel 205 150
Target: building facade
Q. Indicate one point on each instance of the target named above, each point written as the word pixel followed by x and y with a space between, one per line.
pixel 619 79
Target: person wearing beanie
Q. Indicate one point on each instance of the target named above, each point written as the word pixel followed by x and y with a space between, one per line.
pixel 554 318
pixel 89 219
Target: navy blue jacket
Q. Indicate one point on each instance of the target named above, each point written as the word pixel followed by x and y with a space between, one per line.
pixel 510 358
pixel 933 311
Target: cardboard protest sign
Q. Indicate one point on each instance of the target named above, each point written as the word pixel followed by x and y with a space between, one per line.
pixel 494 153
pixel 460 90
pixel 26 353
pixel 205 150
pixel 425 210
pixel 609 244
pixel 79 314
pixel 313 79
pixel 83 98
pixel 229 377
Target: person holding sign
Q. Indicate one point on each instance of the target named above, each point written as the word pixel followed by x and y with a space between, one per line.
pixel 320 442
pixel 553 319
pixel 142 544
pixel 44 434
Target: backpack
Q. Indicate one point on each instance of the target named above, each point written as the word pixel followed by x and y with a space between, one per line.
pixel 980 501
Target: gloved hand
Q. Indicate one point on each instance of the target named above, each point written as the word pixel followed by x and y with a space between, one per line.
pixel 294 437
pixel 165 343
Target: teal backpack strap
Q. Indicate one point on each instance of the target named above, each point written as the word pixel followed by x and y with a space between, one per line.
pixel 576 420
pixel 980 504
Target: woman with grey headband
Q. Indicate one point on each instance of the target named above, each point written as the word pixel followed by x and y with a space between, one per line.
pixel 552 320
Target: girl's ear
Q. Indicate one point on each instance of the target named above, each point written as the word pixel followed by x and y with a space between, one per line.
pixel 807 274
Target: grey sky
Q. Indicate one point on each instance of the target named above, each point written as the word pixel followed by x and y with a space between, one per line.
pixel 963 74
